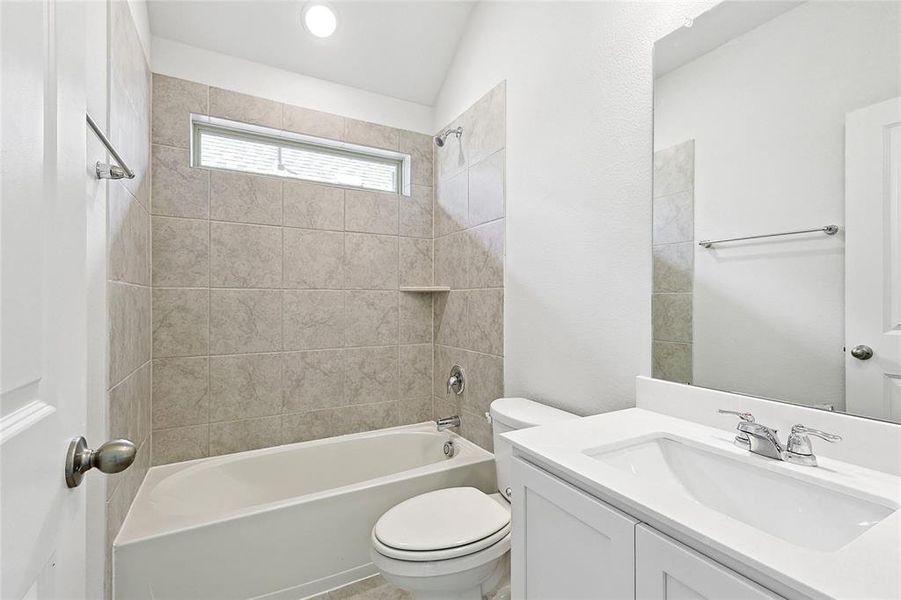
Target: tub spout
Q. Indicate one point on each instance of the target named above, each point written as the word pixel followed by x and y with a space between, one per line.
pixel 447 422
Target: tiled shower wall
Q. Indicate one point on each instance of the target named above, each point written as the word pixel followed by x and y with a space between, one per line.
pixel 128 263
pixel 469 257
pixel 673 249
pixel 277 315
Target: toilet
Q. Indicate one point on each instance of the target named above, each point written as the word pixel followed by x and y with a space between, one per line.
pixel 454 543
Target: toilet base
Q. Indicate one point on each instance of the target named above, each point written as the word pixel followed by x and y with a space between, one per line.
pixel 467 578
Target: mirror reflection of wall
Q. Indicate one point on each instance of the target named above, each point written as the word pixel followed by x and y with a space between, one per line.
pixel 750 118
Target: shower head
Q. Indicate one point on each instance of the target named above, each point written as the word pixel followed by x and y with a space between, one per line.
pixel 440 138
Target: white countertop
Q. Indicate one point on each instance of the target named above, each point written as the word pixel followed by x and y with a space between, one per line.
pixel 867 567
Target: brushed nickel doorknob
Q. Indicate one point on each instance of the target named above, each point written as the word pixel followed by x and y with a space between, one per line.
pixel 862 352
pixel 112 457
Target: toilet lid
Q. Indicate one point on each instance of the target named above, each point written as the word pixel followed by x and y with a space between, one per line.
pixel 442 519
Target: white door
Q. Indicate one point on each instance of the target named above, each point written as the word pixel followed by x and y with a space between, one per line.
pixel 667 570
pixel 873 260
pixel 42 296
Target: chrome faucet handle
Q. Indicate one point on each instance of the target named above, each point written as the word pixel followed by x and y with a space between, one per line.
pixel 741 440
pixel 823 435
pixel 799 450
pixel 744 416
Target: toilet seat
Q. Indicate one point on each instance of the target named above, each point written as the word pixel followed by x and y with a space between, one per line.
pixel 442 525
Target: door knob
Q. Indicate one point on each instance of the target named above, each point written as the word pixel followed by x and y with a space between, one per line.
pixel 862 352
pixel 112 457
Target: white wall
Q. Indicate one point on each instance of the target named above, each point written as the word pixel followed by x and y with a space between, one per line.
pixel 767 114
pixel 220 70
pixel 579 155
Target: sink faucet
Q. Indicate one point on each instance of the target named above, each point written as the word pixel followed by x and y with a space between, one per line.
pixel 762 440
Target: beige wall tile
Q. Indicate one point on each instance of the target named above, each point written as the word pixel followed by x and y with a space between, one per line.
pixel 245 386
pixel 415 318
pixel 673 267
pixel 180 443
pixel 314 319
pixel 179 190
pixel 672 317
pixel 371 375
pixel 672 362
pixel 475 428
pixel 451 268
pixel 371 318
pixel 673 219
pixel 313 380
pixel 129 238
pixel 248 434
pixel 180 392
pixel 484 324
pixel 313 206
pixel 415 368
pixel 129 407
pixel 303 427
pixel 245 198
pixel 416 212
pixel 244 108
pixel 482 254
pixel 451 204
pixel 415 261
pixel 371 134
pixel 674 169
pixel 314 259
pixel 181 252
pixel 245 321
pixel 129 329
pixel 449 312
pixel 420 147
pixel 371 261
pixel 371 212
pixel 247 256
pixel 173 102
pixel 314 122
pixel 414 410
pixel 484 125
pixel 180 322
pixel 486 189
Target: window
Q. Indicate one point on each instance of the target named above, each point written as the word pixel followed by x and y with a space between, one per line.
pixel 222 144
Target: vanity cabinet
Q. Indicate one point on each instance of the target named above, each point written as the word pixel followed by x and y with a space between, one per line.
pixel 668 570
pixel 568 544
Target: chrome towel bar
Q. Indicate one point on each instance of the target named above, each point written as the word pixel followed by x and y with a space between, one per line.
pixel 828 230
pixel 104 170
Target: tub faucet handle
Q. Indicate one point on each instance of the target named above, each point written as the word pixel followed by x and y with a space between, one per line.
pixel 456 382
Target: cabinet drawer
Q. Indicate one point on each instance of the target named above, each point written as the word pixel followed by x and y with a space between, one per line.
pixel 567 544
pixel 666 569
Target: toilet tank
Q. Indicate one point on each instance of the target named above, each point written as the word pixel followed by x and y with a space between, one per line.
pixel 510 414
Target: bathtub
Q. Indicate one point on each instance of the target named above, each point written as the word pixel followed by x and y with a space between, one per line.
pixel 280 523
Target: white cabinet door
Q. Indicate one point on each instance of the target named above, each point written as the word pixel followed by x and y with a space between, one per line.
pixel 566 544
pixel 665 569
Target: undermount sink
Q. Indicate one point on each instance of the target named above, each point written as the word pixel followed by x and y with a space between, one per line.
pixel 795 510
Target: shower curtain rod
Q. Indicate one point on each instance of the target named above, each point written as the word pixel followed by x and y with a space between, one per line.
pixel 104 170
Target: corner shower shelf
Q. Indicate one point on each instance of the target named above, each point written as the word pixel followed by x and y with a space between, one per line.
pixel 425 289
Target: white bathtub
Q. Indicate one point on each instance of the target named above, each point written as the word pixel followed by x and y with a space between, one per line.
pixel 280 523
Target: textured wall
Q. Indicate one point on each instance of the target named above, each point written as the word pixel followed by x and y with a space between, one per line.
pixel 469 257
pixel 674 250
pixel 277 315
pixel 577 295
pixel 128 263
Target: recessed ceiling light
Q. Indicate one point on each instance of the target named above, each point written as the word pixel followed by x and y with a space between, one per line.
pixel 320 19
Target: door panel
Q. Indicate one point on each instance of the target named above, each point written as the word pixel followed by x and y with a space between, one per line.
pixel 567 544
pixel 667 570
pixel 42 296
pixel 873 259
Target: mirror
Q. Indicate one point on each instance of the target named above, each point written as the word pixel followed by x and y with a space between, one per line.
pixel 777 204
